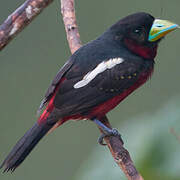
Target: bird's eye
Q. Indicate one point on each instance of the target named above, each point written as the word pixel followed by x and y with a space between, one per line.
pixel 137 31
pixel 138 34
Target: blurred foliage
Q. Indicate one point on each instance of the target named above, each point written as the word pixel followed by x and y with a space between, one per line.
pixel 31 60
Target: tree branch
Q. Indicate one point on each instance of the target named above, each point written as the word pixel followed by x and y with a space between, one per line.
pixel 19 19
pixel 115 144
pixel 121 155
pixel 69 18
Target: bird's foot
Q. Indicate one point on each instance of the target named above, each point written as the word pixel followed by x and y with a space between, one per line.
pixel 109 133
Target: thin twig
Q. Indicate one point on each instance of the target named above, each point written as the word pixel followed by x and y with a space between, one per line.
pixel 69 18
pixel 174 133
pixel 119 153
pixel 19 19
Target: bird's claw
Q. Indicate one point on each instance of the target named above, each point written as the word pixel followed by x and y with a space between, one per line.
pixel 113 132
pixel 101 139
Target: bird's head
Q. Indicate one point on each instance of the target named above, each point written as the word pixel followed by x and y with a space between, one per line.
pixel 141 33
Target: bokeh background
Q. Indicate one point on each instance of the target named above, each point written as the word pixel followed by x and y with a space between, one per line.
pixel 145 119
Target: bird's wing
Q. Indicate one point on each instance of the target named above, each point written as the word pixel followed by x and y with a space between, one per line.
pixel 54 83
pixel 81 92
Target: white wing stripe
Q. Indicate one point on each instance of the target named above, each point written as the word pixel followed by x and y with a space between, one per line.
pixel 103 66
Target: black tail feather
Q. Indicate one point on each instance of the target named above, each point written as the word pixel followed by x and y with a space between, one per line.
pixel 24 146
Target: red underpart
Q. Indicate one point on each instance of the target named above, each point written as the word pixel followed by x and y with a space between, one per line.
pixel 143 51
pixel 104 108
pixel 50 105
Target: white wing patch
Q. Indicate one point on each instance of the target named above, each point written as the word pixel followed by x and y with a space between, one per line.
pixel 99 69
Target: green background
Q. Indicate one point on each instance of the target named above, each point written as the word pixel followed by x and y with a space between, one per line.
pixel 31 60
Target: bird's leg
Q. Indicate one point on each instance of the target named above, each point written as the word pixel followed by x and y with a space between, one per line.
pixel 106 131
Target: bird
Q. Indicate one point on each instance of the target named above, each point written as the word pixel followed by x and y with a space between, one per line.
pixel 96 78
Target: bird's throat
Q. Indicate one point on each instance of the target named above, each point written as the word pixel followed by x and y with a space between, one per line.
pixel 141 50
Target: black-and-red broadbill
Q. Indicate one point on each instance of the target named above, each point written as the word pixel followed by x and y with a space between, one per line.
pixel 96 78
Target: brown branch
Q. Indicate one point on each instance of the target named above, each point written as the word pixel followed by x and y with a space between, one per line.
pixel 20 19
pixel 115 144
pixel 175 134
pixel 121 155
pixel 69 18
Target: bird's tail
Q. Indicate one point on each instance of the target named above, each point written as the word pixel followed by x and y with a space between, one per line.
pixel 24 146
